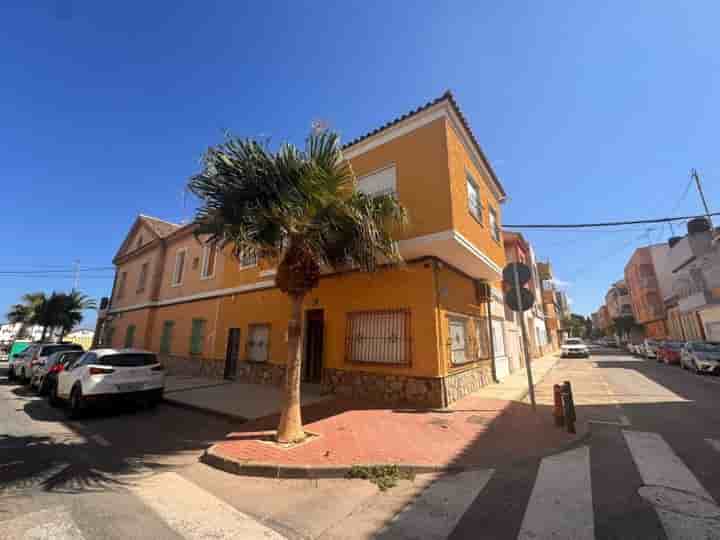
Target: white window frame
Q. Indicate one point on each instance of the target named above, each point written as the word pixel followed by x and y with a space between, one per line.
pixel 471 185
pixel 381 337
pixel 500 338
pixel 467 354
pixel 493 221
pixel 175 281
pixel 206 259
pixel 382 181
pixel 245 266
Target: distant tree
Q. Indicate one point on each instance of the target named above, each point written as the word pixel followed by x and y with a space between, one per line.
pixel 69 310
pixel 19 314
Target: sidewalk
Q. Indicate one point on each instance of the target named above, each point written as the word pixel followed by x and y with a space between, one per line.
pixel 493 427
pixel 235 400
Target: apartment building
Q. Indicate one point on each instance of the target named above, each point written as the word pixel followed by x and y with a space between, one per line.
pixel 552 299
pixel 647 276
pixel 427 333
pixel 694 305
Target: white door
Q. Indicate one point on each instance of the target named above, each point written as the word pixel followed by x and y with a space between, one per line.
pixel 258 343
pixel 502 366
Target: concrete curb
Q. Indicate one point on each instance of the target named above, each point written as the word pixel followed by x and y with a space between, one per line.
pixel 205 410
pixel 215 459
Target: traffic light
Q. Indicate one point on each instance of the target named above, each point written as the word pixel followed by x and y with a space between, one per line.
pixel 515 278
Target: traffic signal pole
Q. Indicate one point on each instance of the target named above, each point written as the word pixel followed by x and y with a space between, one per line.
pixel 528 369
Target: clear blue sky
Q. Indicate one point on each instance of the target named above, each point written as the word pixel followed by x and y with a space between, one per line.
pixel 588 112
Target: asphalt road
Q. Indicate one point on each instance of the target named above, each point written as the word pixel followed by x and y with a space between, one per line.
pixel 648 468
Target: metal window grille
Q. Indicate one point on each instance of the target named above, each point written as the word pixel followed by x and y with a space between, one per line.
pixel 381 337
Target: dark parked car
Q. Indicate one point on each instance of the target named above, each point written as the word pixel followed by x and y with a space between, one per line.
pixel 701 356
pixel 57 363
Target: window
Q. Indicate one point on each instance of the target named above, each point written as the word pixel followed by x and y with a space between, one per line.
pixel 197 338
pixel 498 335
pixel 379 337
pixel 208 261
pixel 166 337
pixel 248 258
pixel 179 267
pixel 121 285
pixel 458 342
pixel 381 182
pixel 129 336
pixel 128 360
pixel 494 228
pixel 258 344
pixel 109 334
pixel 143 277
pixel 474 203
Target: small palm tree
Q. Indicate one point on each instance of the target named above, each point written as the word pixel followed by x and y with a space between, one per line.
pixel 302 209
pixel 70 309
pixel 19 314
pixel 40 310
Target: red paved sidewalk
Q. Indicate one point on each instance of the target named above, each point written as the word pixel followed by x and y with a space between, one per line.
pixel 475 431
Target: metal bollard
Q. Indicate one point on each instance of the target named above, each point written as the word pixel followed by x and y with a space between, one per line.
pixel 568 407
pixel 558 409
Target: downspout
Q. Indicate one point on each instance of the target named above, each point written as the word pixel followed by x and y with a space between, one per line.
pixel 438 330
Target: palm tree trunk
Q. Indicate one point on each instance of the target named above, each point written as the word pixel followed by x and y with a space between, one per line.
pixel 290 428
pixel 42 337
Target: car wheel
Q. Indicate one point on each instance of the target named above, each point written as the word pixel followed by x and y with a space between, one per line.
pixel 54 399
pixel 43 387
pixel 11 374
pixel 75 408
pixel 695 367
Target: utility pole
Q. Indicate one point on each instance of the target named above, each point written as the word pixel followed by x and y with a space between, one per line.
pixel 528 367
pixel 696 177
pixel 76 281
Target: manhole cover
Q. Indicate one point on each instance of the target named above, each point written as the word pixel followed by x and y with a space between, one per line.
pixel 680 502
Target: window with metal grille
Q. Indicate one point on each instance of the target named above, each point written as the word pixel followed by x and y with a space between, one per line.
pixel 179 270
pixel 129 336
pixel 494 227
pixel 197 337
pixel 248 258
pixel 258 343
pixel 482 339
pixel 208 264
pixel 460 350
pixel 474 203
pixel 379 337
pixel 166 337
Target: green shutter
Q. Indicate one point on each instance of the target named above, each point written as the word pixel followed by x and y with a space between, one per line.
pixel 129 336
pixel 198 336
pixel 166 338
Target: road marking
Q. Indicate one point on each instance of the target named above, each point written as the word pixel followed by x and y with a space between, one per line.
pixel 686 510
pixel 438 509
pixel 55 524
pixel 194 513
pixel 561 502
pixel 102 441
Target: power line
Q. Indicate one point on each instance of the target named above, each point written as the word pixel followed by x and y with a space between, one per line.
pixel 607 223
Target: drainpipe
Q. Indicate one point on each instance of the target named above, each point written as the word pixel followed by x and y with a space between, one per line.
pixel 438 328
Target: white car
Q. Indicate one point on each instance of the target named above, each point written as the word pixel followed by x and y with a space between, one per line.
pixel 103 375
pixel 40 358
pixel 574 347
pixel 649 348
pixel 701 357
pixel 21 365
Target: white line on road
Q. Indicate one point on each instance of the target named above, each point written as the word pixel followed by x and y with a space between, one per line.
pixel 102 441
pixel 686 510
pixel 196 514
pixel 435 513
pixel 561 502
pixel 55 524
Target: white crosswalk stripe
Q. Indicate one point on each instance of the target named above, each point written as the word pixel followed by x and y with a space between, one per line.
pixel 54 523
pixel 685 508
pixel 561 502
pixel 196 514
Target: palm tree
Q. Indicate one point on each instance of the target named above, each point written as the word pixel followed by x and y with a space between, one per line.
pixel 302 209
pixel 19 314
pixel 40 310
pixel 69 310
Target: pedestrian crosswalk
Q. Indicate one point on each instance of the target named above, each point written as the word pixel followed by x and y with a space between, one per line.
pixel 561 504
pixel 183 510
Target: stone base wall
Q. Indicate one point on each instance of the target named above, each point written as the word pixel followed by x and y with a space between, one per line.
pixel 459 385
pixel 260 373
pixel 193 366
pixel 387 389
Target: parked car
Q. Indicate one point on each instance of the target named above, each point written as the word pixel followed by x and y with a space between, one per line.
pixel 16 349
pixel 104 375
pixel 21 369
pixel 38 362
pixel 649 348
pixel 574 347
pixel 701 356
pixel 55 364
pixel 669 352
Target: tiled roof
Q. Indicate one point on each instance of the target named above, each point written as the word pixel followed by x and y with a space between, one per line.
pixel 451 99
pixel 160 227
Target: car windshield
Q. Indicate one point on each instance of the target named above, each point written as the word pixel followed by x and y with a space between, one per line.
pixel 573 342
pixel 707 347
pixel 127 360
pixel 51 349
